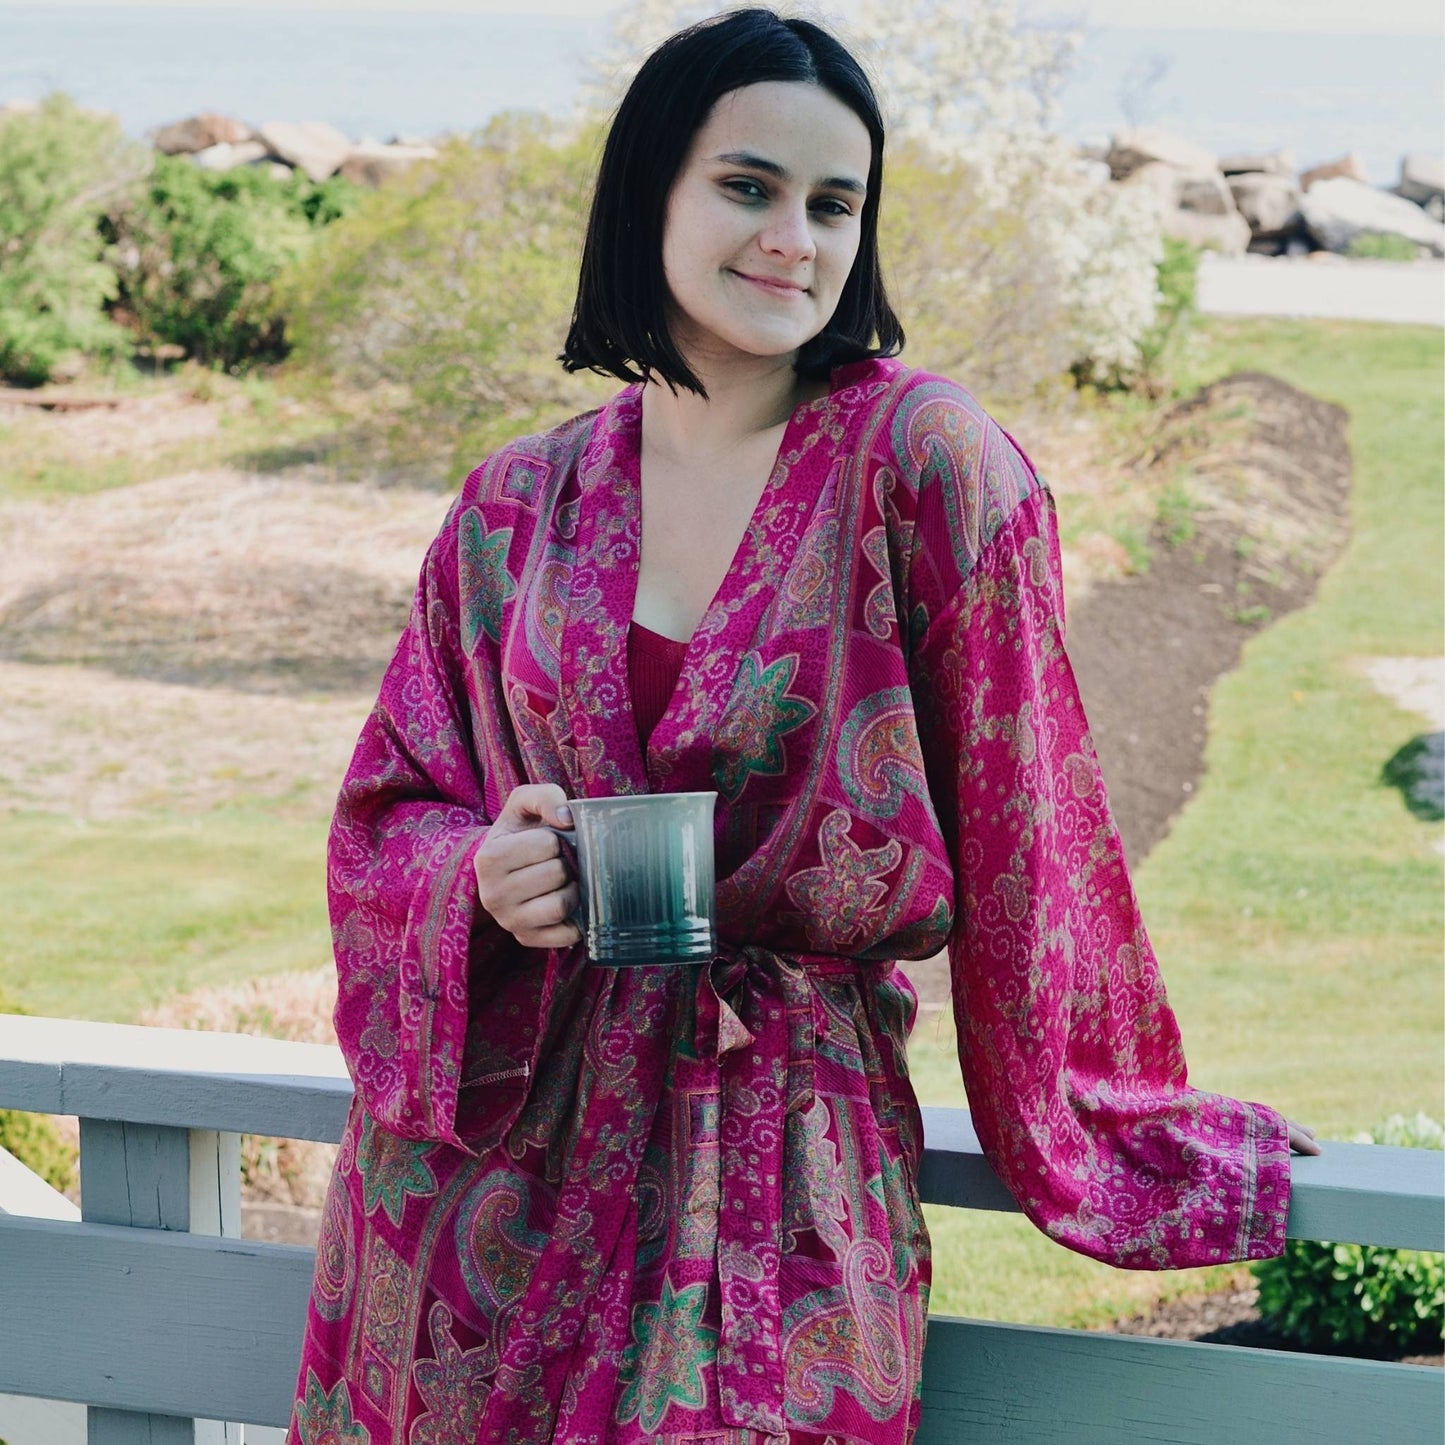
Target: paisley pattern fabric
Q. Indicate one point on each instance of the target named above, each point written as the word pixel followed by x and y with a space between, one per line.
pixel 680 1205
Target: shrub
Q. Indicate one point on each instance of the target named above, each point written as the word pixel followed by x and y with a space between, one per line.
pixel 33 1139
pixel 451 289
pixel 198 253
pixel 1373 245
pixel 1381 1301
pixel 1041 239
pixel 60 167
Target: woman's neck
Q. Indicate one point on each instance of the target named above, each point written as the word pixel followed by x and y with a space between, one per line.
pixel 744 401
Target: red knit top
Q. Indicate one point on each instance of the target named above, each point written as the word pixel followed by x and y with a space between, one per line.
pixel 653 663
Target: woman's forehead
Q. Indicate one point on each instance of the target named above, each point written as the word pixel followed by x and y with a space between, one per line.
pixel 803 129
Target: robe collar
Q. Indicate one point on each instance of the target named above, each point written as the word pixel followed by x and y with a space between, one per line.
pixel 607 558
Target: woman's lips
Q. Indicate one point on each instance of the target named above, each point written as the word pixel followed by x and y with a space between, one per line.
pixel 774 288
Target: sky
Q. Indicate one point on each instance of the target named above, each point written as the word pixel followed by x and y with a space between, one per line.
pixel 1384 17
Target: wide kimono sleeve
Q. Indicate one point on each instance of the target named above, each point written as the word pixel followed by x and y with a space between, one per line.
pixel 1070 1052
pixel 438 1008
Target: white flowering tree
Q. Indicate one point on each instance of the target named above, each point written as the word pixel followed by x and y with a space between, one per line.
pixel 1011 261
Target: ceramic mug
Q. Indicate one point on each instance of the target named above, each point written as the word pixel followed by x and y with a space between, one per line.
pixel 646 876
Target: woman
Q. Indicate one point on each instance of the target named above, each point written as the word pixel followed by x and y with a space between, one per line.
pixel 679 1204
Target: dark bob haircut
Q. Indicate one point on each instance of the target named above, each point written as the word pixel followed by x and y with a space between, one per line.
pixel 620 319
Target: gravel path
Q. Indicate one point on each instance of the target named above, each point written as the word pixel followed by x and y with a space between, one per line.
pixel 1323 285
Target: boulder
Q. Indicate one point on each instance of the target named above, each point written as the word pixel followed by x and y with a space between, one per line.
pixel 1422 178
pixel 1350 166
pixel 1269 202
pixel 1133 149
pixel 199 133
pixel 370 163
pixel 226 157
pixel 1229 234
pixel 1267 163
pixel 1339 209
pixel 1435 208
pixel 1206 193
pixel 1217 228
pixel 312 146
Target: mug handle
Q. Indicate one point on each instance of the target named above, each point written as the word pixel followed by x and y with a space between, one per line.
pixel 578 914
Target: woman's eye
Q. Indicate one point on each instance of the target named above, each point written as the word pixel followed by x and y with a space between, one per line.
pixel 831 207
pixel 750 189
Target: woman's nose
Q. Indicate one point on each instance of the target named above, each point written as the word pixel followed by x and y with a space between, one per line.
pixel 788 233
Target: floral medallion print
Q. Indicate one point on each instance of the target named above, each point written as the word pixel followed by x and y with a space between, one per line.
pixel 667 1357
pixel 485 582
pixel 749 739
pixel 323 1417
pixel 391 1169
pixel 678 1206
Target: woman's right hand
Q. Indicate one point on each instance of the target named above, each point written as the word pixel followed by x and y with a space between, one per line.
pixel 522 878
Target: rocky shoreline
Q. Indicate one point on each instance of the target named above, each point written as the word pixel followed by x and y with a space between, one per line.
pixel 1257 203
pixel 1261 204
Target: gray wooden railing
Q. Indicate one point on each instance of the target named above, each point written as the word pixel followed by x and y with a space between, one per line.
pixel 149 1309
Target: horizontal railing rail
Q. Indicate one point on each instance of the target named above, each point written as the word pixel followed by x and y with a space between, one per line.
pixel 150 1308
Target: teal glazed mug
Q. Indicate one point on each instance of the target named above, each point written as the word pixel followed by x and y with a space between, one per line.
pixel 646 876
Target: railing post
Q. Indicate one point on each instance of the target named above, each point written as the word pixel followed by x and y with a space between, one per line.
pixel 147 1176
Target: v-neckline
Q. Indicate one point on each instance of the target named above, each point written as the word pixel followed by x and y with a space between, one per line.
pixel 607 560
pixel 746 538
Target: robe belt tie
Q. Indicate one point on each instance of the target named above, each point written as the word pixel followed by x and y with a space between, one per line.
pixel 755 1016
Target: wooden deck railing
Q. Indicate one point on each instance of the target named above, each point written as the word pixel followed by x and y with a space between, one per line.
pixel 149 1309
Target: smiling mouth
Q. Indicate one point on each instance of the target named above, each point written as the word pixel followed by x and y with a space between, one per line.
pixel 776 288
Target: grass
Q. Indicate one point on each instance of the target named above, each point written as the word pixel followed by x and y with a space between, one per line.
pixel 259 428
pixel 1297 904
pixel 105 920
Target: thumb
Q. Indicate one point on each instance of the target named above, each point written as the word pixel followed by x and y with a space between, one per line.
pixel 534 805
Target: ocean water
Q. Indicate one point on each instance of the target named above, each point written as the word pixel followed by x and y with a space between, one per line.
pixel 418 72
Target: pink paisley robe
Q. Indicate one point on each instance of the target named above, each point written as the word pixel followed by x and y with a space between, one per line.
pixel 679 1204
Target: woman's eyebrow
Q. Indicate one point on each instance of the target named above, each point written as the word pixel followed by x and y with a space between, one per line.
pixel 772 168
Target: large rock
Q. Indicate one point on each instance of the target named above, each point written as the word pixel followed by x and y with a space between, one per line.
pixel 1229 234
pixel 312 146
pixel 226 157
pixel 1133 149
pixel 1206 193
pixel 1338 210
pixel 1269 163
pixel 370 163
pixel 1216 229
pixel 199 133
pixel 1270 203
pixel 1350 166
pixel 1422 178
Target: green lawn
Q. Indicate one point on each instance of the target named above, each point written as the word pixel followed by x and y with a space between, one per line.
pixel 104 920
pixel 1296 906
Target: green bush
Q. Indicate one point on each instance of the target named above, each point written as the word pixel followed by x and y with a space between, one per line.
pixel 1178 296
pixel 447 293
pixel 1374 246
pixel 1361 1297
pixel 60 167
pixel 32 1139
pixel 198 253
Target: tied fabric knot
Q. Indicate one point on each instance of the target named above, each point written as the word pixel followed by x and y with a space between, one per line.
pixel 755 1017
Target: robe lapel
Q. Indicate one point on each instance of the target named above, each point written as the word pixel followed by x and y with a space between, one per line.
pixel 593 663
pixel 680 755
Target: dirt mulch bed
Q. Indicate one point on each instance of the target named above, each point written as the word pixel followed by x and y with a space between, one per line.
pixel 1232 1317
pixel 1265 490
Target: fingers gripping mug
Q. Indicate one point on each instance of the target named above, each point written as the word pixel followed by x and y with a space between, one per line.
pixel 645 872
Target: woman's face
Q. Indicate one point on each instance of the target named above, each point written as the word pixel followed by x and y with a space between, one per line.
pixel 764 220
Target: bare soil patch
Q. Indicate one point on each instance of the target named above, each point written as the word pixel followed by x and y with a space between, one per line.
pixel 1231 1317
pixel 1258 474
